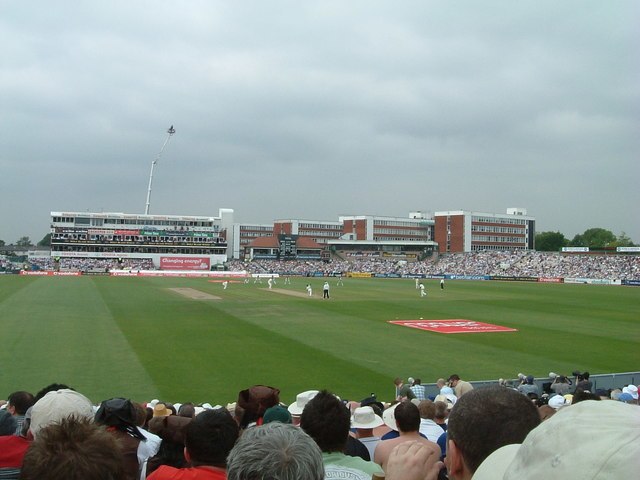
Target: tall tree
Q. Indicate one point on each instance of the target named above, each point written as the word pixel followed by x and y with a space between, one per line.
pixel 594 237
pixel 550 241
pixel 623 240
pixel 24 242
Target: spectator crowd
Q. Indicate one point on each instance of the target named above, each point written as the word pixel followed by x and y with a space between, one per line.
pixel 519 263
pixel 491 432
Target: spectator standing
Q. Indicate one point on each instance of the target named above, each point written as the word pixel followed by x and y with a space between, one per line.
pixel 403 390
pixel 460 386
pixel 419 390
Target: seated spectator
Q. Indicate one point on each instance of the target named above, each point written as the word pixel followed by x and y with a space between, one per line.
pixel 582 395
pixel 162 410
pixel 7 423
pixel 252 402
pixel 631 390
pixel 355 448
pixel 12 451
pixel 151 445
pixel 583 383
pixel 56 406
pixel 119 417
pixel 557 449
pixel 528 387
pixel 17 405
pixel 275 451
pixel 364 420
pixel 277 413
pixel 428 426
pixel 209 438
pixel 560 385
pixel 73 449
pixel 187 410
pixel 442 413
pixel 407 417
pixel 172 431
pixel 482 421
pixel 326 420
pixel 51 408
pixel 296 408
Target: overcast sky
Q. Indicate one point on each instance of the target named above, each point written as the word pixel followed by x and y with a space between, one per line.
pixel 311 110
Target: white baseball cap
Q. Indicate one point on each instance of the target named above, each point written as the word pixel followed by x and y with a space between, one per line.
pixel 56 406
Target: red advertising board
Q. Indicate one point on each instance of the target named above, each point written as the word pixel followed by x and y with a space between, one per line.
pixel 185 263
pixel 453 326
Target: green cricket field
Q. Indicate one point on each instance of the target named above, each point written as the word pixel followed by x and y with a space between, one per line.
pixel 184 339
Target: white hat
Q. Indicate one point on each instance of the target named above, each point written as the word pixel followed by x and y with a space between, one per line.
pixel 389 417
pixel 198 411
pixel 557 401
pixel 365 417
pixel 631 390
pixel 56 406
pixel 301 401
pixel 558 448
pixel 444 398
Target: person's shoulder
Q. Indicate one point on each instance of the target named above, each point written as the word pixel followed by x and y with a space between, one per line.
pixel 164 472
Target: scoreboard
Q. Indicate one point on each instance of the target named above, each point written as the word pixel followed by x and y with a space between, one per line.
pixel 287 244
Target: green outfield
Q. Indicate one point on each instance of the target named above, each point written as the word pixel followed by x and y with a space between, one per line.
pixel 138 338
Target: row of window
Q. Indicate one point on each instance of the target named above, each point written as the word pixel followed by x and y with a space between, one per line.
pixel 182 250
pixel 497 239
pixel 480 248
pixel 141 223
pixel 321 233
pixel 83 237
pixel 403 231
pixel 398 239
pixel 319 226
pixel 398 223
pixel 511 221
pixel 494 229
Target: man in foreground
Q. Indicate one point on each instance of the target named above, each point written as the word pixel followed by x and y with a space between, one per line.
pixel 275 450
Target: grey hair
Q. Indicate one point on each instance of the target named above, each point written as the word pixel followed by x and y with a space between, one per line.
pixel 275 451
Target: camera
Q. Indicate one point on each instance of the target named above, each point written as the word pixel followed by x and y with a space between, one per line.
pixel 576 373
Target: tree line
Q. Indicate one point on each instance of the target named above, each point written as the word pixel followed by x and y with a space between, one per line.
pixel 26 242
pixel 592 238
